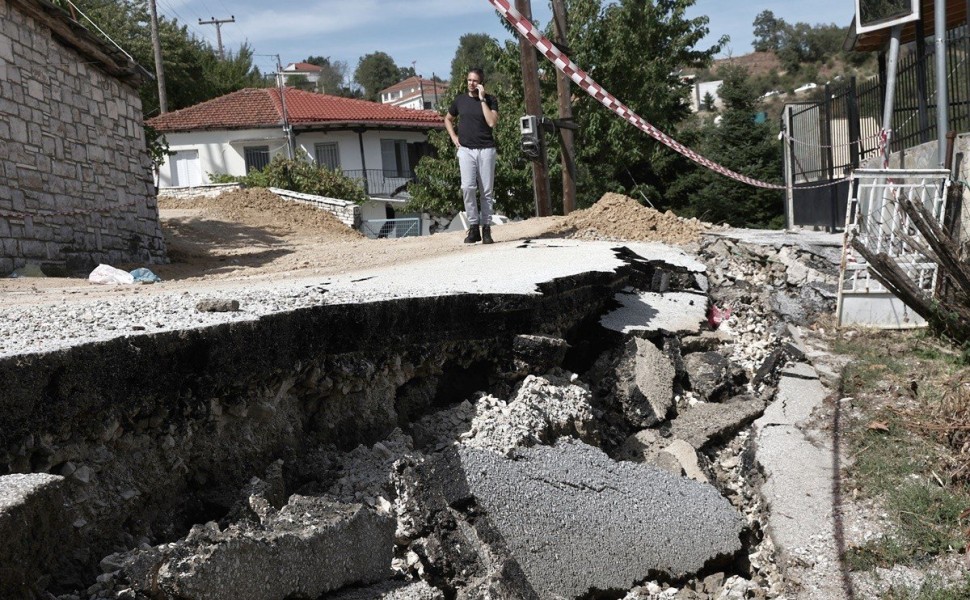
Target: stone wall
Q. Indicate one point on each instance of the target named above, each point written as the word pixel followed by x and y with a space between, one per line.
pixel 346 211
pixel 76 186
pixel 212 190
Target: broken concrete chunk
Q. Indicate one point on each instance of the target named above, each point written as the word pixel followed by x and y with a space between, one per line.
pixel 704 423
pixel 572 520
pixel 649 312
pixel 645 383
pixel 214 305
pixel 540 413
pixel 709 374
pixel 32 523
pixel 539 352
pixel 311 546
pixel 686 457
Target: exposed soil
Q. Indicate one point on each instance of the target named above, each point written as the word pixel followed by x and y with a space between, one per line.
pixel 619 217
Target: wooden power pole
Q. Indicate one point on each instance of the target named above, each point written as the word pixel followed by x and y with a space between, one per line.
pixel 159 67
pixel 565 115
pixel 218 23
pixel 533 105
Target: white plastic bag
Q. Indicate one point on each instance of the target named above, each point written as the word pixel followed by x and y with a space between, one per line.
pixel 108 275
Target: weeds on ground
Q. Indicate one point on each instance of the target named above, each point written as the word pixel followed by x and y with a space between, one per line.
pixel 932 591
pixel 908 443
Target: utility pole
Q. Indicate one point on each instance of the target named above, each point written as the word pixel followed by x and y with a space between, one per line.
pixel 533 105
pixel 565 114
pixel 218 23
pixel 159 67
pixel 287 128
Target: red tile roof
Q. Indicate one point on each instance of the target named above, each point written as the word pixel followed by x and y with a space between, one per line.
pixel 254 108
pixel 302 66
pixel 417 82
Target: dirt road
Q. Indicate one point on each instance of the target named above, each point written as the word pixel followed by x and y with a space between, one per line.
pixel 253 235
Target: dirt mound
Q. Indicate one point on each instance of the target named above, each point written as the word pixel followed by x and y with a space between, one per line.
pixel 259 207
pixel 619 217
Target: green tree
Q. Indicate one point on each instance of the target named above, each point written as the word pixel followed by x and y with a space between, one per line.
pixel 614 156
pixel 235 72
pixel 709 102
pixel 471 54
pixel 193 71
pixel 375 72
pixel 742 145
pixel 332 76
pixel 767 32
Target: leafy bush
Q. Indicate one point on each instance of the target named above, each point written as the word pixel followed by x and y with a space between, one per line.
pixel 299 175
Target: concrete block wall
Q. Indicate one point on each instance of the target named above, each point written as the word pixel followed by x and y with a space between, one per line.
pixel 76 186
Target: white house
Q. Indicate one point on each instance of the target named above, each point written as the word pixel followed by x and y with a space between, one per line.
pixel 308 70
pixel 244 130
pixel 416 92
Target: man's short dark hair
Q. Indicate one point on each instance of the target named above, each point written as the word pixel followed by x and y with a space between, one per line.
pixel 479 72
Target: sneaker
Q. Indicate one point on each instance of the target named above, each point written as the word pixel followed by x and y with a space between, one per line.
pixel 486 235
pixel 473 235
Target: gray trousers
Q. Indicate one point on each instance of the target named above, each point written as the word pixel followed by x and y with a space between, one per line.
pixel 477 167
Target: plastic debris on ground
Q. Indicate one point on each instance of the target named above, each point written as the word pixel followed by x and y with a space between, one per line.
pixel 108 275
pixel 143 275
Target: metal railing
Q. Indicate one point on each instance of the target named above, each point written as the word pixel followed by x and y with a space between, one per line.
pixel 391 228
pixel 830 137
pixel 380 183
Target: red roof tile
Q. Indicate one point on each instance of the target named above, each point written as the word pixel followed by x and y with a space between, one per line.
pixel 416 82
pixel 255 108
pixel 302 66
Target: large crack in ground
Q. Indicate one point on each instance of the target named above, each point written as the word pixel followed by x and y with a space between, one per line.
pixel 579 443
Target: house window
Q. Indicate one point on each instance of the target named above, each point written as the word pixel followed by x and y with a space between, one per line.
pixel 257 157
pixel 327 155
pixel 394 156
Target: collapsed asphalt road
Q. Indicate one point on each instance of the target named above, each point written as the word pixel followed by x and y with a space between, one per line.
pixel 552 419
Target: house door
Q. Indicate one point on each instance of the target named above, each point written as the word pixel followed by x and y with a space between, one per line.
pixel 186 169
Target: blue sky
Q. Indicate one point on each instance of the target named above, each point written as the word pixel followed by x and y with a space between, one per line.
pixel 426 32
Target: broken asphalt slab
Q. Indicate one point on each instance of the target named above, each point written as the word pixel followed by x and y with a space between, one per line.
pixel 574 520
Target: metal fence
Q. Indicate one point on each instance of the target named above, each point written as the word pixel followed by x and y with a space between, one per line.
pixel 391 228
pixel 835 135
pixel 380 183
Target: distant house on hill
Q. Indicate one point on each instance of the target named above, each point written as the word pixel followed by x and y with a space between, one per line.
pixel 301 70
pixel 700 91
pixel 233 134
pixel 75 178
pixel 416 92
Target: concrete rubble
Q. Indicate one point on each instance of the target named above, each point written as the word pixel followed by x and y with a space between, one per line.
pixel 611 453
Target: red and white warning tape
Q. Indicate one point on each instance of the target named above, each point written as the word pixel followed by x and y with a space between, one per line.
pixel 583 80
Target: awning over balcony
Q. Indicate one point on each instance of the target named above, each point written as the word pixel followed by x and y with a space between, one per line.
pixel 874 41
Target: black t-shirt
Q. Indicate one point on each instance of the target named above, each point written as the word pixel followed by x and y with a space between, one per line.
pixel 473 131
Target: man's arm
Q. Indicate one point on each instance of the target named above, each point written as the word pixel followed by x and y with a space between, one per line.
pixel 491 116
pixel 450 126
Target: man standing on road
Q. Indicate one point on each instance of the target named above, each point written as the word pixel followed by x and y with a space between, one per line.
pixel 477 114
